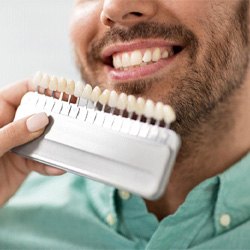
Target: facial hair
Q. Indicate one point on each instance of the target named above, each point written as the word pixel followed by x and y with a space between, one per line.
pixel 207 82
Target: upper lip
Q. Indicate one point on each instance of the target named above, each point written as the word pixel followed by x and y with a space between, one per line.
pixel 123 47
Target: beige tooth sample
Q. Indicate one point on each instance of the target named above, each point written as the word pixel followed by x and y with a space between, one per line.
pixel 168 114
pixel 86 94
pixel 104 97
pixel 165 54
pixel 122 101
pixel 44 83
pixel 53 84
pixel 78 89
pixel 70 89
pixel 95 94
pixel 136 57
pixel 37 78
pixel 156 55
pixel 113 99
pixel 139 106
pixel 62 84
pixel 125 60
pixel 158 114
pixel 147 56
pixel 149 109
pixel 117 62
pixel 131 103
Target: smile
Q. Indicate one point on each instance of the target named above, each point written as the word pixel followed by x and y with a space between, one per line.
pixel 137 60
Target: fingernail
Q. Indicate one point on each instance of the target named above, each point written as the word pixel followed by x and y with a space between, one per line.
pixel 37 122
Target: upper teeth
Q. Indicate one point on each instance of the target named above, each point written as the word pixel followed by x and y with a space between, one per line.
pixel 139 57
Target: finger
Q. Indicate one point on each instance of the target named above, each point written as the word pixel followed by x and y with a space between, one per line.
pixel 45 169
pixel 22 131
pixel 13 93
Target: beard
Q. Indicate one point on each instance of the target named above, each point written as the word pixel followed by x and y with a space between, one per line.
pixel 214 70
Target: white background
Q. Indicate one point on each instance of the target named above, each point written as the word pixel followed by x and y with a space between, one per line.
pixel 34 36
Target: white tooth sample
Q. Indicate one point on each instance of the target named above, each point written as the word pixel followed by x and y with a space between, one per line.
pixel 53 84
pixel 78 89
pixel 165 54
pixel 86 94
pixel 44 83
pixel 125 60
pixel 131 103
pixel 156 55
pixel 147 56
pixel 149 109
pixel 113 99
pixel 136 57
pixel 117 62
pixel 168 114
pixel 70 89
pixel 62 84
pixel 122 101
pixel 104 97
pixel 139 106
pixel 37 78
pixel 158 115
pixel 95 94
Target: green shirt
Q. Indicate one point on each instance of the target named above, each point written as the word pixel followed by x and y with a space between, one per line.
pixel 71 212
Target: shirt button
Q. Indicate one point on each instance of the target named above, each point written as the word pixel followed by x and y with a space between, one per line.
pixel 225 220
pixel 124 195
pixel 110 219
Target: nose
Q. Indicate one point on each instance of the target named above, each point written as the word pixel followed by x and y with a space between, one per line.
pixel 127 12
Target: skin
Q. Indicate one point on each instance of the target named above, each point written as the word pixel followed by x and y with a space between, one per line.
pixel 13 168
pixel 207 84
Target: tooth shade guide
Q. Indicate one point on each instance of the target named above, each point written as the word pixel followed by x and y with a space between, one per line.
pixel 107 105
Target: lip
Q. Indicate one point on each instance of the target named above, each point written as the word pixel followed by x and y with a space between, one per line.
pixel 136 73
pixel 140 72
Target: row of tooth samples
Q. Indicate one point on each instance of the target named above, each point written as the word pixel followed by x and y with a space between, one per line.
pixel 142 57
pixel 139 106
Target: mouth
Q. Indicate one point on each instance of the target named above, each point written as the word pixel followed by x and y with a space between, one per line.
pixel 141 59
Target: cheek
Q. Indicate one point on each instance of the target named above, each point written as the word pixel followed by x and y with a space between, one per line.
pixel 84 25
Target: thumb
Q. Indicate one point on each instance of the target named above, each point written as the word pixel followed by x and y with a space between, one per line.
pixel 22 131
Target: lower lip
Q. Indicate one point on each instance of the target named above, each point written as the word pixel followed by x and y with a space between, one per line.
pixel 133 74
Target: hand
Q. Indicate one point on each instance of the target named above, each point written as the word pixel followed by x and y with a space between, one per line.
pixel 13 168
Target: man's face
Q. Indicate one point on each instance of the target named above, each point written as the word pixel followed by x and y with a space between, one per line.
pixel 206 43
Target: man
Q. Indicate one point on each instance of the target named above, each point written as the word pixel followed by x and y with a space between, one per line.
pixel 206 204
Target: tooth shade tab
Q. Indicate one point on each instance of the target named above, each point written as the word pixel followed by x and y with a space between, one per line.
pixel 78 89
pixel 139 106
pixel 70 89
pixel 158 114
pixel 149 109
pixel 53 83
pixel 131 103
pixel 37 78
pixel 104 97
pixel 87 91
pixel 62 84
pixel 122 101
pixel 168 114
pixel 95 94
pixel 44 83
pixel 113 99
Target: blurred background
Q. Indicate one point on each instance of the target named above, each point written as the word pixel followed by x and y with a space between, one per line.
pixel 34 36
